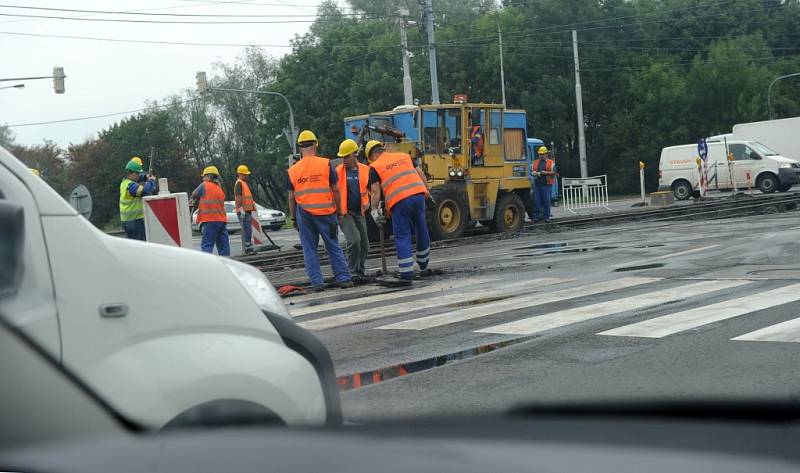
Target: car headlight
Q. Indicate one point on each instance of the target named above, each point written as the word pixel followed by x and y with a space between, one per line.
pixel 785 165
pixel 258 286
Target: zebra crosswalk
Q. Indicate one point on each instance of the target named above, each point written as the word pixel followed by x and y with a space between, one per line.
pixel 532 306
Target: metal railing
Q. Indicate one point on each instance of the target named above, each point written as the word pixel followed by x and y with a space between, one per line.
pixel 584 193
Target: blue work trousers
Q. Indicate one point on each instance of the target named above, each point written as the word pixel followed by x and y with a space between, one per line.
pixel 408 216
pixel 541 202
pixel 311 228
pixel 215 233
pixel 134 229
pixel 247 228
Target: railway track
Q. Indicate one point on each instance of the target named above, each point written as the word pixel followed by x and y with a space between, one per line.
pixel 286 261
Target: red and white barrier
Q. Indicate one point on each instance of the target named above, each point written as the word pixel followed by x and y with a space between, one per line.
pixel 259 236
pixel 167 219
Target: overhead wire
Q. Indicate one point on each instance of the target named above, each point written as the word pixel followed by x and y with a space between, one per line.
pixel 170 22
pixel 193 15
pixel 204 4
pixel 127 112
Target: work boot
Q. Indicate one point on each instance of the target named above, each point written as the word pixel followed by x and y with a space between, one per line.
pixel 249 251
pixel 346 284
pixel 316 288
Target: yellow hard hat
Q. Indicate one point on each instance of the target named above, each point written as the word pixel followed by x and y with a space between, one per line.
pixel 370 145
pixel 210 170
pixel 346 148
pixel 242 169
pixel 35 172
pixel 543 150
pixel 307 135
pixel 137 160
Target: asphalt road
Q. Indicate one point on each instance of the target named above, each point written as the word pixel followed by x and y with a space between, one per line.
pixel 641 310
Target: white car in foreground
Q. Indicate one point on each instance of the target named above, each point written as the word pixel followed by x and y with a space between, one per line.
pixel 269 218
pixel 169 336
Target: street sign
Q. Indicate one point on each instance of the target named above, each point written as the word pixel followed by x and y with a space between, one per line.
pixel 81 200
pixel 702 149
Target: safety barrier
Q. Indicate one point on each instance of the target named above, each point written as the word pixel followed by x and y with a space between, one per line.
pixel 584 193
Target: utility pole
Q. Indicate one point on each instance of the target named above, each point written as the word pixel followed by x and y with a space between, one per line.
pixel 579 103
pixel 502 72
pixel 408 94
pixel 432 52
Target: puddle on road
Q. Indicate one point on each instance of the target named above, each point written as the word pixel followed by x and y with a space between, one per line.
pixel 778 273
pixel 641 266
pixel 485 300
pixel 562 251
pixel 366 378
pixel 543 246
pixel 550 246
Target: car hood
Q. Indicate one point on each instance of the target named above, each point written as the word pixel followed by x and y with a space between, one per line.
pixel 782 159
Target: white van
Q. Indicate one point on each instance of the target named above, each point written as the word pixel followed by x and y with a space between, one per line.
pixel 170 336
pixel 754 165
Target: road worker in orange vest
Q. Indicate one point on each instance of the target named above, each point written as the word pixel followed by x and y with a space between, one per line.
pixel 211 215
pixel 544 176
pixel 405 191
pixel 245 205
pixel 353 178
pixel 315 205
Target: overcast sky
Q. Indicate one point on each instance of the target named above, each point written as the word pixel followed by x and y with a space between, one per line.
pixel 108 77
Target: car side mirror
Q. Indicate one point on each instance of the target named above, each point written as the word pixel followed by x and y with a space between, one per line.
pixel 12 242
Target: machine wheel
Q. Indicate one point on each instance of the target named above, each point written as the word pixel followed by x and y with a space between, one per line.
pixel 784 187
pixel 448 218
pixel 682 190
pixel 767 183
pixel 509 214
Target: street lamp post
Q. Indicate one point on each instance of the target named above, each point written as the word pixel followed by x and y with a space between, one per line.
pixel 203 88
pixel 264 92
pixel 769 91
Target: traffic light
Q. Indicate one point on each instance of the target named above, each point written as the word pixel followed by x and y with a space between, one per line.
pixel 202 84
pixel 58 79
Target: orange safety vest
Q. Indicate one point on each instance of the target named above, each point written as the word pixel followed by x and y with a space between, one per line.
pixel 363 179
pixel 547 167
pixel 212 204
pixel 246 203
pixel 312 185
pixel 399 178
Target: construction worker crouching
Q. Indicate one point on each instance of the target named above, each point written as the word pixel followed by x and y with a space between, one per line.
pixel 211 215
pixel 405 191
pixel 544 176
pixel 245 205
pixel 131 208
pixel 353 178
pixel 315 204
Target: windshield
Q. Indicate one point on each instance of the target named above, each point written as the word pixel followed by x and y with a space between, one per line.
pixel 762 149
pixel 552 224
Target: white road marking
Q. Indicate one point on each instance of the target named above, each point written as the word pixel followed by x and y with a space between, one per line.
pixel 375 313
pixel 439 287
pixel 670 255
pixel 788 331
pixel 699 316
pixel 492 308
pixel 541 323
